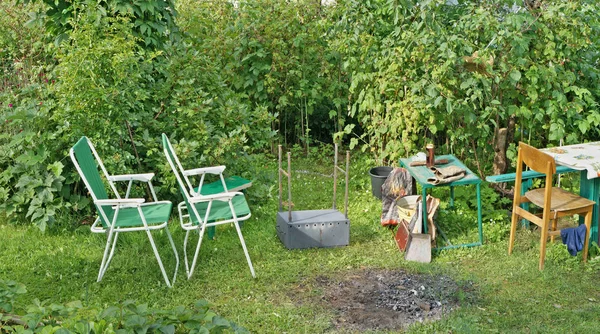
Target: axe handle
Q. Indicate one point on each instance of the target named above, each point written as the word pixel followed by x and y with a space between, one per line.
pixel 422 163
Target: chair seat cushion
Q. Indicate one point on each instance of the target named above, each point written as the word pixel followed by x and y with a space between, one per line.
pixel 233 183
pixel 561 199
pixel 155 214
pixel 220 210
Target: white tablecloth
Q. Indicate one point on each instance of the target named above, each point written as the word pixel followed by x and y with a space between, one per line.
pixel 580 156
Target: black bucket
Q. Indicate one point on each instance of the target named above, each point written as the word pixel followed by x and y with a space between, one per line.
pixel 378 176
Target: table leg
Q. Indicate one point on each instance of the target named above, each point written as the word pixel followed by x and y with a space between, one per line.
pixel 211 231
pixel 590 189
pixel 424 206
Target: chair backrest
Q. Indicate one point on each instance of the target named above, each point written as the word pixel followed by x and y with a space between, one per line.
pixel 86 161
pixel 175 164
pixel 539 162
pixel 177 168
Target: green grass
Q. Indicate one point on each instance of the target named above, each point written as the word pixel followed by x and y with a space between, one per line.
pixel 511 294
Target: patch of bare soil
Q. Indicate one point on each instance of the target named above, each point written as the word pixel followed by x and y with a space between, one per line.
pixel 390 299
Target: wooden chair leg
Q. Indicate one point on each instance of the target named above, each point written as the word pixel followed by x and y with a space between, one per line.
pixel 513 231
pixel 543 241
pixel 588 225
pixel 554 224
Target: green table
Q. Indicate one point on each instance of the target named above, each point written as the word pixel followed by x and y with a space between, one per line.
pixel 422 173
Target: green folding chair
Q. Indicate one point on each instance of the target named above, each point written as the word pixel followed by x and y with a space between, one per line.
pixel 199 212
pixel 116 214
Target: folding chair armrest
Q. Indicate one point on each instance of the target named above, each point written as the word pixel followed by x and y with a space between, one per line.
pixel 147 177
pixel 218 197
pixel 204 170
pixel 121 201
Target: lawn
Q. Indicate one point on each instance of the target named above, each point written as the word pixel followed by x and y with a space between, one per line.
pixel 509 293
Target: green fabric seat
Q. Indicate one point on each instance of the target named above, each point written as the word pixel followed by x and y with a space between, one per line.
pixel 155 214
pixel 220 210
pixel 233 183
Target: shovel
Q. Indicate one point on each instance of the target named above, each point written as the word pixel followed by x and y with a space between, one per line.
pixel 418 246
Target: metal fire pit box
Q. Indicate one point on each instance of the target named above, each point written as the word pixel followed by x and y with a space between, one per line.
pixel 313 228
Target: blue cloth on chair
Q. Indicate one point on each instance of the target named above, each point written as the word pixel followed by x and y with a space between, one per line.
pixel 574 237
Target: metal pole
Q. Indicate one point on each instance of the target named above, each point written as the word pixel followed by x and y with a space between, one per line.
pixel 347 178
pixel 280 185
pixel 335 163
pixel 289 187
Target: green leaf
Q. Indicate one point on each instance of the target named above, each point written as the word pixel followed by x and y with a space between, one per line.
pixel 56 168
pixel 449 106
pixel 168 329
pixel 432 91
pixel 466 84
pixel 532 93
pixel 515 75
pixel 220 322
pixel 135 321
pixel 348 128
pixel 7 307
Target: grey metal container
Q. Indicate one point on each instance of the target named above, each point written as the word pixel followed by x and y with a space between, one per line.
pixel 313 228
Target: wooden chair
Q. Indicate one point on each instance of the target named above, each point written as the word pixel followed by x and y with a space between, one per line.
pixel 555 202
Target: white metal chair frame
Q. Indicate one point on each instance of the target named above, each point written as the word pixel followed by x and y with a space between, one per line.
pixel 119 203
pixel 194 197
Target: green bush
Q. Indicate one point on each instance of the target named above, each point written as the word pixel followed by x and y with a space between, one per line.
pixel 126 317
pixel 455 74
pixel 103 83
pixel 225 81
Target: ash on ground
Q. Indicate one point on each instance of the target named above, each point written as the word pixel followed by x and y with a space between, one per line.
pixel 391 299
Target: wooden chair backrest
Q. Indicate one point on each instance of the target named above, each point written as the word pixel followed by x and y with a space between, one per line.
pixel 536 159
pixel 539 162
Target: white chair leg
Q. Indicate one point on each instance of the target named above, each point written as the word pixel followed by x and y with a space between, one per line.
pixel 112 251
pixel 185 257
pixel 160 264
pixel 239 231
pixel 200 236
pixel 174 252
pixel 110 244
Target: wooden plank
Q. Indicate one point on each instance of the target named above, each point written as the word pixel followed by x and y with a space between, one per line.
pixel 530 174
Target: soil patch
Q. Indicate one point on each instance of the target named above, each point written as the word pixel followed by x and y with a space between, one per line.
pixel 390 299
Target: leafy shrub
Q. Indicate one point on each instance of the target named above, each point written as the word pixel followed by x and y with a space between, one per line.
pixel 456 74
pixel 227 77
pixel 31 177
pixel 102 83
pixel 127 317
pixel 275 54
pixel 152 22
